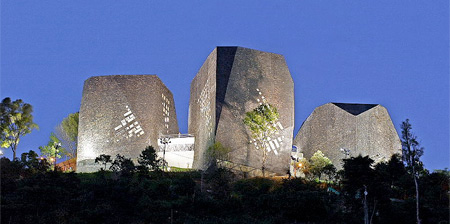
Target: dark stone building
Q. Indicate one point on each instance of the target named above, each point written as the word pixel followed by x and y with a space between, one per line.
pixel 231 82
pixel 122 114
pixel 343 130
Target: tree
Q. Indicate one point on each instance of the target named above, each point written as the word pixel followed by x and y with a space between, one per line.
pixel 304 166
pixel 330 171
pixel 359 182
pixel 357 173
pixel 53 148
pixel 392 173
pixel 16 121
pixel 123 165
pixel 33 163
pixel 67 132
pixel 103 159
pixel 318 163
pixel 217 153
pixel 262 124
pixel 148 159
pixel 411 157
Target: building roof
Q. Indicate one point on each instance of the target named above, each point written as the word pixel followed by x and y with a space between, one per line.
pixel 355 109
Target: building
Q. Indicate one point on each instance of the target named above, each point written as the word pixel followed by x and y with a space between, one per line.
pixel 177 150
pixel 231 82
pixel 122 114
pixel 342 130
pixel 68 165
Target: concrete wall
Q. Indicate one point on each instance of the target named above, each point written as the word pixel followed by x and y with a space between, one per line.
pixel 122 114
pixel 364 129
pixel 231 82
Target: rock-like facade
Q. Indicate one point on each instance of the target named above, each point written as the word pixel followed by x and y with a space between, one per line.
pixel 122 114
pixel 358 129
pixel 231 82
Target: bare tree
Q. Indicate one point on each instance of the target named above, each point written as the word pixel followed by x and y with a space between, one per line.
pixel 66 142
pixel 411 157
pixel 67 133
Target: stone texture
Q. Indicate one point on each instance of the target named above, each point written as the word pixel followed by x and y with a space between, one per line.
pixel 122 114
pixel 364 129
pixel 229 84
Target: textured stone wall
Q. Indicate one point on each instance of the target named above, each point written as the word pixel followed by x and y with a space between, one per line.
pixel 202 105
pixel 122 114
pixel 364 129
pixel 231 82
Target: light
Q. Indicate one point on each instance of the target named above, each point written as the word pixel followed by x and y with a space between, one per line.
pixel 51 159
pixel 87 152
pixel 300 165
pixel 164 140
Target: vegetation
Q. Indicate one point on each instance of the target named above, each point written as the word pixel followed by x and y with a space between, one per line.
pixel 149 161
pixel 317 166
pixel 303 166
pixel 103 159
pixel 31 194
pixel 16 121
pixel 67 133
pixel 261 122
pixel 359 183
pixel 320 164
pixel 123 165
pixel 53 149
pixel 411 156
pixel 217 153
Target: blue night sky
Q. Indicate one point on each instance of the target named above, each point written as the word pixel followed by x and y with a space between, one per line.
pixel 393 53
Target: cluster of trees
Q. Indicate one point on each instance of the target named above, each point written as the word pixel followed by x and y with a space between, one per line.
pixel 32 194
pixel 316 167
pixel 16 121
pixel 64 141
pixel 148 161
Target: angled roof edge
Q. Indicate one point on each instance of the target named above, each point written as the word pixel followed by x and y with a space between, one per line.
pixel 354 108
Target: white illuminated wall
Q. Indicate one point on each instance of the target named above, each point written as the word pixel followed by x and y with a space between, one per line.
pixel 179 152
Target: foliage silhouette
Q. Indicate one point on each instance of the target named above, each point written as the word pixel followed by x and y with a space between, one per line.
pixel 104 197
pixel 103 159
pixel 149 161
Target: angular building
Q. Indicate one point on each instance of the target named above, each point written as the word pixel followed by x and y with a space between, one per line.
pixel 231 82
pixel 122 114
pixel 342 130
